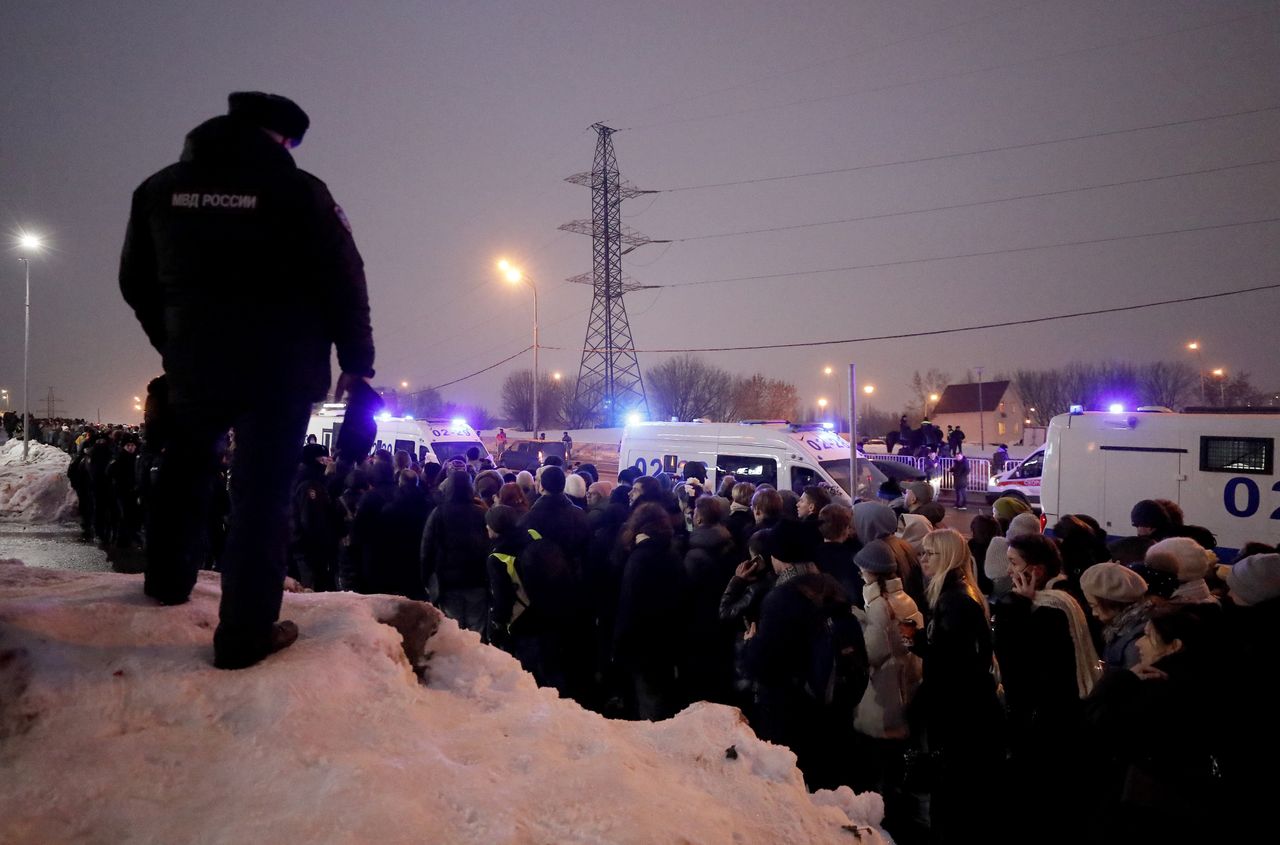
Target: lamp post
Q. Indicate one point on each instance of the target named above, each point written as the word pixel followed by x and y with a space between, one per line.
pixel 1194 346
pixel 4 397
pixel 933 397
pixel 1221 375
pixel 514 276
pixel 822 406
pixel 29 243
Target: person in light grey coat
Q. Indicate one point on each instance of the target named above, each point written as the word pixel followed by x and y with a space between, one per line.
pixel 894 669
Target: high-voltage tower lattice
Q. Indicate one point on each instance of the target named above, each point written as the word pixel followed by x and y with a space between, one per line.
pixel 609 382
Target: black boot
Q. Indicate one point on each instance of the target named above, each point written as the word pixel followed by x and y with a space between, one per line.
pixel 230 652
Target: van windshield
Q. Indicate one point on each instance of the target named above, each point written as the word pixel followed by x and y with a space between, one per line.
pixel 447 450
pixel 839 472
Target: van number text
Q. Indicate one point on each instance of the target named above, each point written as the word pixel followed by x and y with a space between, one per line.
pixel 1252 497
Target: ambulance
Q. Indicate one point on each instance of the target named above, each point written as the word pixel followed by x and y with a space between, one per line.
pixel 1024 477
pixel 430 441
pixel 782 454
pixel 1219 467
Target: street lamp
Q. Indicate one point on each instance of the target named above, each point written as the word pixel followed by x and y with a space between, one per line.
pixel 404 384
pixel 29 243
pixel 933 397
pixel 1194 346
pixel 822 406
pixel 4 396
pixel 1221 375
pixel 826 371
pixel 869 389
pixel 514 276
pixel 557 376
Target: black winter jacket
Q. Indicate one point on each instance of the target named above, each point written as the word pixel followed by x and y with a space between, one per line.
pixel 455 544
pixel 242 271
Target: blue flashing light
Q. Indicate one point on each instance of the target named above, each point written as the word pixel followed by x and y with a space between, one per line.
pixel 829 426
pixel 634 418
pixel 458 422
pixel 1077 409
pixel 384 416
pixel 1116 408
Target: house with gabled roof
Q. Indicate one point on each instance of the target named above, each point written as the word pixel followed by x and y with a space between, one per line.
pixel 989 411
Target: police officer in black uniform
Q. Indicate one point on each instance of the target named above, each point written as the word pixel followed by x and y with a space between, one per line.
pixel 244 275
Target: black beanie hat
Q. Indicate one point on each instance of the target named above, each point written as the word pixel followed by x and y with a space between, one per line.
pixel 695 469
pixel 1150 514
pixel 270 111
pixel 313 451
pixel 552 479
pixel 502 519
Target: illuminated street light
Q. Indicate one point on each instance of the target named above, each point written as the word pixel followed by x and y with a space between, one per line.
pixel 404 384
pixel 869 389
pixel 933 397
pixel 557 376
pixel 827 371
pixel 137 399
pixel 1221 375
pixel 137 407
pixel 1194 346
pixel 822 406
pixel 514 276
pixel 29 243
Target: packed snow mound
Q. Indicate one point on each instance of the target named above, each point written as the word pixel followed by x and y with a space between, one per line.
pixel 118 729
pixel 36 491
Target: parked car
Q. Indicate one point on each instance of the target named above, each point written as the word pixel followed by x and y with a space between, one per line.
pixel 875 446
pixel 529 454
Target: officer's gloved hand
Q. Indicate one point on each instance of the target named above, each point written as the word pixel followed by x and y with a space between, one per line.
pixel 346 384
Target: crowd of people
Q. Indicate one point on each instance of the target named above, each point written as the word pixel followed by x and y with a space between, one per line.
pixel 1044 671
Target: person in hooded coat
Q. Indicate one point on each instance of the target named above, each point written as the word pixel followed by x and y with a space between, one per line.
pixel 397 570
pixel 316 523
pixel 709 564
pixel 650 629
pixel 877 521
pixel 454 547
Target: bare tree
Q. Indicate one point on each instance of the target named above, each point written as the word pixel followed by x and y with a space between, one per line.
pixel 422 403
pixel 757 397
pixel 517 399
pixel 1168 383
pixel 922 386
pixel 686 387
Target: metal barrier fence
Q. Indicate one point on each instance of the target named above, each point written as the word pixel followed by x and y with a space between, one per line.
pixel 979 470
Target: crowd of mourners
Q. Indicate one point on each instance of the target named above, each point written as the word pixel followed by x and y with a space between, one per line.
pixel 1031 685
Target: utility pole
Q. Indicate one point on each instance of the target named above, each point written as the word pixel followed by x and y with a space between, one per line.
pixel 609 381
pixel 982 430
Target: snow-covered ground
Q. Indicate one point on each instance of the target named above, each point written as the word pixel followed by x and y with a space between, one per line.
pixel 114 727
pixel 36 491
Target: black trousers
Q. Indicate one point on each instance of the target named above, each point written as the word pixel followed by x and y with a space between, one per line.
pixel 268 442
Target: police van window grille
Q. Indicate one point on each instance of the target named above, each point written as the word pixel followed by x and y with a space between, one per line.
pixel 1248 455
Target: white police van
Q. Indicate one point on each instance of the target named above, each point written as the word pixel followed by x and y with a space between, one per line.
pixel 1024 477
pixel 434 441
pixel 782 454
pixel 1219 467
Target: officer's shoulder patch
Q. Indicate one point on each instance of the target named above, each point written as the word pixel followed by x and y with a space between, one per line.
pixel 342 217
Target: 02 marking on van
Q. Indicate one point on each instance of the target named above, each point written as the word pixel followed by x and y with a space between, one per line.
pixel 1253 497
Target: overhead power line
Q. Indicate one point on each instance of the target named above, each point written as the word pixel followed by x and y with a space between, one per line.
pixel 1003 324
pixel 944 156
pixel 976 203
pixel 1006 251
pixel 485 370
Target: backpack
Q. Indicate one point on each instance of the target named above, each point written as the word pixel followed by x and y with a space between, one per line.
pixel 545 578
pixel 839 668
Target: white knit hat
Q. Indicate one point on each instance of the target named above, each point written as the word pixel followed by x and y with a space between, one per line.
pixel 1181 556
pixel 1255 579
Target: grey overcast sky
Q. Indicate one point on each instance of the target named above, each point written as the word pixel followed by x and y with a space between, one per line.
pixel 446 129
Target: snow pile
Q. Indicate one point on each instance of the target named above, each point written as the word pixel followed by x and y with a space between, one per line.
pixel 37 491
pixel 119 730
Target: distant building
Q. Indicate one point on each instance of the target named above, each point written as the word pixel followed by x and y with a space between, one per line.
pixel 1001 417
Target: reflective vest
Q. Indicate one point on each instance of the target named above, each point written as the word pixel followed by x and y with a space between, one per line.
pixel 522 598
